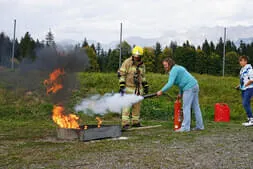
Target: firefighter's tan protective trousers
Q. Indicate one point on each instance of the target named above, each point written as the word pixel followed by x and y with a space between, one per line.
pixel 128 116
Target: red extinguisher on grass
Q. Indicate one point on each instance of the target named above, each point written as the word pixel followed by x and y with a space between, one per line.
pixel 177 114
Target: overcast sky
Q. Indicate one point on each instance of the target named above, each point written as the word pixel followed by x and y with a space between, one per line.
pixel 100 19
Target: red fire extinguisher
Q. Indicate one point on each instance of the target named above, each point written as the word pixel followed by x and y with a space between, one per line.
pixel 177 114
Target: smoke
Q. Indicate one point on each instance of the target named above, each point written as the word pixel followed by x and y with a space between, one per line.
pixel 32 72
pixel 49 59
pixel 109 102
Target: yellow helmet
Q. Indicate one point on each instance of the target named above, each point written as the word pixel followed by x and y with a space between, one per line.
pixel 137 50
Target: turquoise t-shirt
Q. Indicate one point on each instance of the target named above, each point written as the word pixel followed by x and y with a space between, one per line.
pixel 181 77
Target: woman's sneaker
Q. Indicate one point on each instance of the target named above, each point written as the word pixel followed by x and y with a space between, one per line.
pixel 197 129
pixel 249 122
pixel 181 130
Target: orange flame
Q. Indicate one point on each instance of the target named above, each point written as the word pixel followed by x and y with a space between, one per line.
pixel 64 121
pixel 53 84
pixel 99 121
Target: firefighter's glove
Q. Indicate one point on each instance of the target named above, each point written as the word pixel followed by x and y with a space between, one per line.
pixel 118 73
pixel 145 87
pixel 122 88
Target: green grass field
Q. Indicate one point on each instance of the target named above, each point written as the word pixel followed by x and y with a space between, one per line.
pixel 28 135
pixel 213 89
pixel 16 103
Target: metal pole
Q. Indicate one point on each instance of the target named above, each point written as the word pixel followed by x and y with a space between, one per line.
pixel 120 43
pixel 224 52
pixel 13 46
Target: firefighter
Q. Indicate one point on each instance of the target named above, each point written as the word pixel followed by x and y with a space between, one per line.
pixel 132 81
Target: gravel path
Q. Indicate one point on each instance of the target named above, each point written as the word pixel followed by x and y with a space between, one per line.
pixel 226 146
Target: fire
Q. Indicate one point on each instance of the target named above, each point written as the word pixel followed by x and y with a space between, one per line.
pixel 99 121
pixel 53 84
pixel 64 121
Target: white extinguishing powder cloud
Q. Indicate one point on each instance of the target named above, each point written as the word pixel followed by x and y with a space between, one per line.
pixel 109 102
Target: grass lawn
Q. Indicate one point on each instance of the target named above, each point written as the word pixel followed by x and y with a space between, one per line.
pixel 28 135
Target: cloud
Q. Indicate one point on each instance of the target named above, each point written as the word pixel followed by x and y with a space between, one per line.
pixel 100 20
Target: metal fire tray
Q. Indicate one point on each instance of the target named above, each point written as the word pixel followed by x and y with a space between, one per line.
pixel 91 133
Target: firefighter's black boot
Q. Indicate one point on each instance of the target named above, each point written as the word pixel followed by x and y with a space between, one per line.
pixel 137 125
pixel 125 127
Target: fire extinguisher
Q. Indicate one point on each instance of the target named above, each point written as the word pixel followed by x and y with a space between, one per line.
pixel 177 114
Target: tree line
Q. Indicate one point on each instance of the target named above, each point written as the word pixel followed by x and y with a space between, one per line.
pixel 204 59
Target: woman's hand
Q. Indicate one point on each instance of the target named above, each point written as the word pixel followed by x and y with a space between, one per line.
pixel 159 93
pixel 248 83
pixel 237 87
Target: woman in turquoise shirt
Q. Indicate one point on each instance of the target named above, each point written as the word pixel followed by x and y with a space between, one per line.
pixel 189 88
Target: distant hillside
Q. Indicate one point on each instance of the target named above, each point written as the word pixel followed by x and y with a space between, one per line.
pixel 196 36
pixel 245 40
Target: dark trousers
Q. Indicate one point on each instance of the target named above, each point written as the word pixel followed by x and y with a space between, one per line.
pixel 246 96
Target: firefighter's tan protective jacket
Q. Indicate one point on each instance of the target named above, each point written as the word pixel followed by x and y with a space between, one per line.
pixel 128 71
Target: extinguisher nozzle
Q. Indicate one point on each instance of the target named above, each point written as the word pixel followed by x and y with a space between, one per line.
pixel 149 95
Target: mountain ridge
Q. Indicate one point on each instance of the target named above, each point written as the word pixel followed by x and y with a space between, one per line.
pixel 196 36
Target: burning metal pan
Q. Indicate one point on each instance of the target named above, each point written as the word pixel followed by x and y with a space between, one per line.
pixel 91 133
